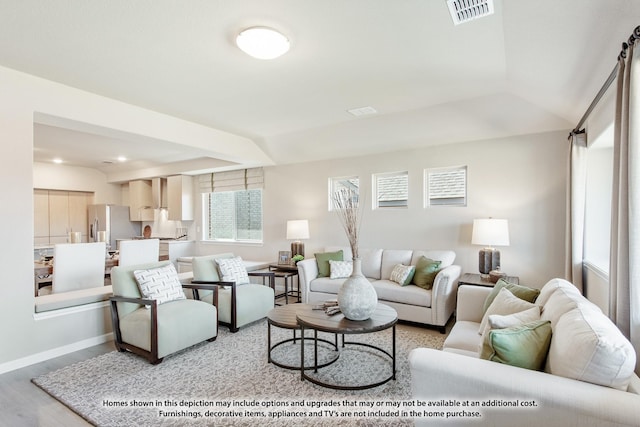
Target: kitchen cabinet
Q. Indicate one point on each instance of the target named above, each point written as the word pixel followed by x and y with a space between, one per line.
pixel 58 216
pixel 140 200
pixel 58 212
pixel 78 218
pixel 180 197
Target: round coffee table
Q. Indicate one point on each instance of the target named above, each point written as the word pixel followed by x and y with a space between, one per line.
pixel 384 317
pixel 285 317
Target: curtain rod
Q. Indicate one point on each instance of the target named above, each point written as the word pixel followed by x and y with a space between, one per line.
pixel 623 54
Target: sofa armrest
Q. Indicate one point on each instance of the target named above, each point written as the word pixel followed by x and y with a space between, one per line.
pixel 307 271
pixel 560 401
pixel 443 294
pixel 471 302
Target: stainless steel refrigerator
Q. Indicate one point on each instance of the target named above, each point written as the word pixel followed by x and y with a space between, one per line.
pixel 114 220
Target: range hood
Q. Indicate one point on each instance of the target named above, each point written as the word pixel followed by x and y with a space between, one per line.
pixel 159 193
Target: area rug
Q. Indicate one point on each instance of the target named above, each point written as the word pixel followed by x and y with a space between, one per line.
pixel 228 382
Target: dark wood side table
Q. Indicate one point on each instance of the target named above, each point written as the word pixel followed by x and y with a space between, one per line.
pixel 286 272
pixel 478 280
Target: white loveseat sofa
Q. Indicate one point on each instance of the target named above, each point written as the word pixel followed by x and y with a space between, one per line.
pixel 588 377
pixel 432 307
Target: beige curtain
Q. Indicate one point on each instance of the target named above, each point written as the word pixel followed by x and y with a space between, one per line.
pixel 624 272
pixel 577 188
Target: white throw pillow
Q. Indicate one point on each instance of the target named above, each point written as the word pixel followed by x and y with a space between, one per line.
pixel 340 269
pixel 499 321
pixel 402 274
pixel 161 284
pixel 504 303
pixel 233 270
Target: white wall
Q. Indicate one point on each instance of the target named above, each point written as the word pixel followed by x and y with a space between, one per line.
pixel 521 179
pixel 24 339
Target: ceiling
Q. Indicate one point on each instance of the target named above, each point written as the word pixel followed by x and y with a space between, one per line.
pixel 533 66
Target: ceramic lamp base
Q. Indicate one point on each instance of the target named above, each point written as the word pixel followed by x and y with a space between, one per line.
pixel 489 259
pixel 297 248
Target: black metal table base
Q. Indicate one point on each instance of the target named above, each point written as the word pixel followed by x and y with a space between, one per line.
pixel 270 348
pixel 305 376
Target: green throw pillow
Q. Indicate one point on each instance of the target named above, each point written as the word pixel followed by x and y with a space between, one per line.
pixel 426 271
pixel 523 292
pixel 525 346
pixel 324 270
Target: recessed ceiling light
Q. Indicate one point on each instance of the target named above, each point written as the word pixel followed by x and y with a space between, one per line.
pixel 122 159
pixel 57 160
pixel 362 111
pixel 262 43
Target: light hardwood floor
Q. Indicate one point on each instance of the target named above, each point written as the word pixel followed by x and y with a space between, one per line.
pixel 25 404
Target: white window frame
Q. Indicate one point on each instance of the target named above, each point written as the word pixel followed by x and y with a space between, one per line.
pixel 431 189
pixel 206 216
pixel 335 183
pixel 378 198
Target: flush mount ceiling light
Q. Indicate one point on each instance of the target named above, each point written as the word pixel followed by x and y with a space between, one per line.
pixel 262 43
pixel 467 10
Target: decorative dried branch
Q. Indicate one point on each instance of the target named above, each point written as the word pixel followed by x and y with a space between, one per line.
pixel 346 203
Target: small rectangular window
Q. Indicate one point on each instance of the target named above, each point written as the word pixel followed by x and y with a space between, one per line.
pixel 446 186
pixel 336 184
pixel 391 190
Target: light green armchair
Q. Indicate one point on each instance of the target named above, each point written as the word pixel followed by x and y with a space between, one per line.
pixel 152 329
pixel 238 304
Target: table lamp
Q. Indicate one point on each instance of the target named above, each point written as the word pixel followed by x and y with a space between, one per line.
pixel 490 232
pixel 297 229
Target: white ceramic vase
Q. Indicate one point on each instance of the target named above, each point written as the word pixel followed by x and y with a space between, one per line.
pixel 357 298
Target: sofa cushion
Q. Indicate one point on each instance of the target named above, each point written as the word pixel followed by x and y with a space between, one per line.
pixel 525 346
pixel 340 269
pixel 410 294
pixel 402 274
pixel 426 271
pixel 587 346
pixel 551 286
pixel 522 292
pixel 446 258
pixel 392 257
pixel 464 337
pixel 371 262
pixel 563 298
pixel 322 259
pixel 504 303
pixel 326 285
pixel 498 321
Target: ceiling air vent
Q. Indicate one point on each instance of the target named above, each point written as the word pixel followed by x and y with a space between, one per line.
pixel 467 10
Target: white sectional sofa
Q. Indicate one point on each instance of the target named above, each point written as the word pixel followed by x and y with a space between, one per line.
pixel 587 379
pixel 432 307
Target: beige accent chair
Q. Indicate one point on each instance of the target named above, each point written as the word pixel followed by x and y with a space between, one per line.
pixel 76 266
pixel 238 305
pixel 164 328
pixel 132 252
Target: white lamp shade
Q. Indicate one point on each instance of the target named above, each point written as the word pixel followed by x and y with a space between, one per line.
pixel 297 229
pixel 262 43
pixel 490 232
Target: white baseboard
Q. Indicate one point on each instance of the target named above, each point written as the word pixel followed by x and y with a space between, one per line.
pixel 55 352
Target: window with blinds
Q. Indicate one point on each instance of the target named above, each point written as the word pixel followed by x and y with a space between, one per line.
pixel 233 205
pixel 336 184
pixel 446 186
pixel 391 190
